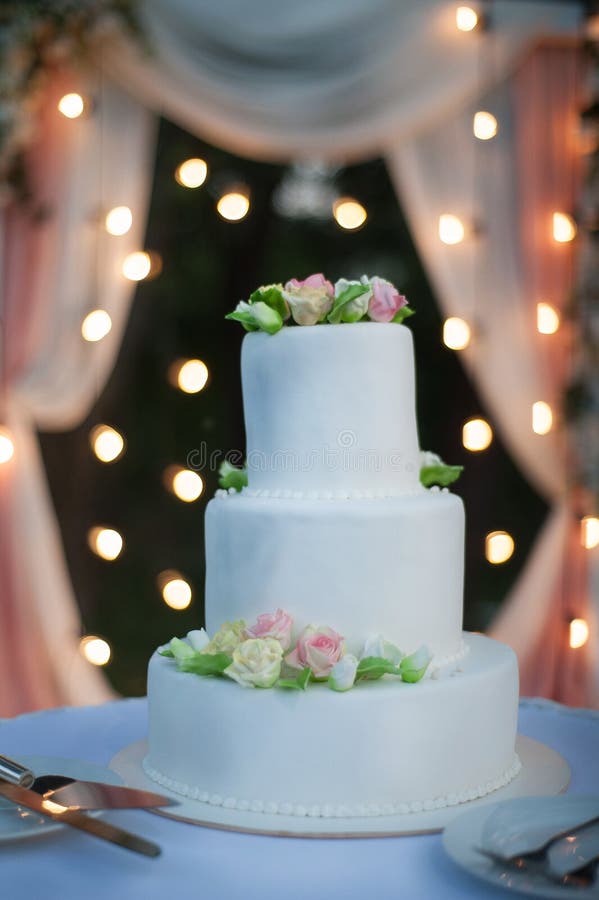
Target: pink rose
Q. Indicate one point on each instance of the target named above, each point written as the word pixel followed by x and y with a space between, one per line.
pixel 385 301
pixel 275 625
pixel 312 281
pixel 318 648
pixel 309 300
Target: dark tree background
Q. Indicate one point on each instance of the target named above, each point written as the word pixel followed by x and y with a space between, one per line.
pixel 208 265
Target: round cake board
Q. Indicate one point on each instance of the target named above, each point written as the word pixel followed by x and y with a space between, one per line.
pixel 544 773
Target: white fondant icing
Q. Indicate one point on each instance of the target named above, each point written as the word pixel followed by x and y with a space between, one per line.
pixel 404 747
pixel 392 566
pixel 331 407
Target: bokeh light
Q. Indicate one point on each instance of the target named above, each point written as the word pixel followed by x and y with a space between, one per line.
pixel 542 417
pixel 456 333
pixel 451 229
pixel 119 220
pixel 349 213
pixel 477 435
pixel 106 543
pixel 499 547
pixel 189 375
pixel 579 633
pixel 589 532
pixel 71 105
pixel 466 18
pixel 96 325
pixel 233 206
pixel 107 443
pixel 176 591
pixel 547 318
pixel 564 228
pixel 7 447
pixel 185 484
pixel 137 266
pixel 192 173
pixel 484 125
pixel 95 649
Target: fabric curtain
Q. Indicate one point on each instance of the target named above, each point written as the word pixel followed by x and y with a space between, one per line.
pixel 341 80
pixel 57 264
pixel 506 192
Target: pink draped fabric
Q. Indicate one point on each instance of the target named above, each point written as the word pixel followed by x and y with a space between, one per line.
pixel 547 92
pixel 29 677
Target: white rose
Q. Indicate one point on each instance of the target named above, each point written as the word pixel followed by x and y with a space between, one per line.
pixel 256 663
pixel 413 667
pixel 198 639
pixel 226 639
pixel 427 458
pixel 308 305
pixel 376 645
pixel 343 673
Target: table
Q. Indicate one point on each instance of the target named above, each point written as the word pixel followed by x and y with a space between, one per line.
pixel 209 865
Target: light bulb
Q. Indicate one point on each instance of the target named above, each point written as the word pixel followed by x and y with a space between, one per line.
pixel 499 546
pixel 7 447
pixel 547 318
pixel 119 220
pixel 96 650
pixel 349 214
pixel 96 325
pixel 484 125
pixel 466 18
pixel 589 532
pixel 106 443
pixel 105 542
pixel 456 333
pixel 564 228
pixel 451 229
pixel 176 592
pixel 184 483
pixel 579 633
pixel 191 173
pixel 233 206
pixel 190 376
pixel 542 417
pixel 71 105
pixel 477 435
pixel 136 266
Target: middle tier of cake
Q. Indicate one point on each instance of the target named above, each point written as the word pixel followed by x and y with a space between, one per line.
pixel 389 566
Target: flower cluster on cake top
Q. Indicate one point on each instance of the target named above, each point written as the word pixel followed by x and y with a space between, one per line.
pixel 316 300
pixel 265 655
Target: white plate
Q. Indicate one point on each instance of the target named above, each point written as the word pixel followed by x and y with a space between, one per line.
pixel 17 822
pixel 466 832
pixel 543 772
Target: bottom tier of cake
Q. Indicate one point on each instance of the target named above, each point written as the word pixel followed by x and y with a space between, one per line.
pixel 382 748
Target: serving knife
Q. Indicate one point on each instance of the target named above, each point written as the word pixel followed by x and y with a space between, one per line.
pixel 97 827
pixel 78 794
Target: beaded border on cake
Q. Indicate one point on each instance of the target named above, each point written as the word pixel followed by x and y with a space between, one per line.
pixel 330 810
pixel 280 494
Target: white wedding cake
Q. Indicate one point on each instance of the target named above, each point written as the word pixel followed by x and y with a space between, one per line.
pixel 332 568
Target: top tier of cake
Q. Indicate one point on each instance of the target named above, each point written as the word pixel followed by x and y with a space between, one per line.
pixel 331 408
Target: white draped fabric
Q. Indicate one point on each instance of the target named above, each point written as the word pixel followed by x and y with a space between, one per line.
pixel 342 80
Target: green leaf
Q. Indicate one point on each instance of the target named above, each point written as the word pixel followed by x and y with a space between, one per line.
pixel 442 475
pixel 229 476
pixel 413 667
pixel 350 293
pixel 180 649
pixel 205 663
pixel 300 683
pixel 168 653
pixel 273 297
pixel 246 319
pixel 372 667
pixel 257 315
pixel 404 313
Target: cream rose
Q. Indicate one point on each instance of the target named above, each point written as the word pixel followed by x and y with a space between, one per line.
pixel 309 300
pixel 227 638
pixel 256 663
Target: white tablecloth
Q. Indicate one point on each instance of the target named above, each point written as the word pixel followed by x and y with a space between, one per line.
pixel 208 864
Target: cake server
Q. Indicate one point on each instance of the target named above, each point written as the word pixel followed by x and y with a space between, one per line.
pixel 106 831
pixel 77 794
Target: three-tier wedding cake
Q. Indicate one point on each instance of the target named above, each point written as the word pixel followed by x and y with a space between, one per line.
pixel 331 568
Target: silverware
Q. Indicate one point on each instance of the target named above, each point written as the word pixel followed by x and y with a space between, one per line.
pixel 77 794
pixel 575 853
pixel 97 827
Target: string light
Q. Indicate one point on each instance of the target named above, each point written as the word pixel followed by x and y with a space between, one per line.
pixel 451 229
pixel 95 649
pixel 589 532
pixel 349 214
pixel 477 435
pixel 107 443
pixel 564 228
pixel 96 325
pixel 484 125
pixel 119 220
pixel 547 318
pixel 579 633
pixel 233 206
pixel 466 18
pixel 137 266
pixel 542 417
pixel 499 547
pixel 71 105
pixel 192 173
pixel 7 447
pixel 456 333
pixel 105 542
pixel 185 484
pixel 176 592
pixel 190 375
